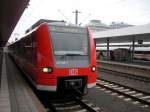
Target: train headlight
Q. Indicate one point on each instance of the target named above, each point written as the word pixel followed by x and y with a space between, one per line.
pixel 47 70
pixel 93 69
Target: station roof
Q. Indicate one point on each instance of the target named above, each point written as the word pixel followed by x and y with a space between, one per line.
pixel 10 13
pixel 124 35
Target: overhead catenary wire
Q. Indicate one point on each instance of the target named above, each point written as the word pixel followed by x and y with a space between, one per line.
pixel 64 16
pixel 85 19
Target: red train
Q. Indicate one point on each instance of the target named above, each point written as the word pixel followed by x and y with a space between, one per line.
pixel 121 54
pixel 57 57
pixel 142 55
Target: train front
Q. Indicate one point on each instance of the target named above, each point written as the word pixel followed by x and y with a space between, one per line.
pixel 73 57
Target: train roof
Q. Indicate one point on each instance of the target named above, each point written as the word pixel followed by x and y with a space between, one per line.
pixel 42 21
pixel 49 22
pixel 53 23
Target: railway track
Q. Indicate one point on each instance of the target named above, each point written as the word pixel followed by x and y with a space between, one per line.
pixel 125 92
pixel 131 76
pixel 72 102
pixel 73 105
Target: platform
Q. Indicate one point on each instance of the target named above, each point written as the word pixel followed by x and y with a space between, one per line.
pixel 15 93
pixel 132 69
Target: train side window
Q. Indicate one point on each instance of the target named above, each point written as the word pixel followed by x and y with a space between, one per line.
pixel 24 49
pixel 28 47
pixel 33 40
pixel 33 48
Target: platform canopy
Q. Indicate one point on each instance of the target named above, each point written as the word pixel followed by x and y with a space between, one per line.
pixel 10 13
pixel 124 35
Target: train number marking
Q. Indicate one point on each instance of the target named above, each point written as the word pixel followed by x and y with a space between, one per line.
pixel 73 72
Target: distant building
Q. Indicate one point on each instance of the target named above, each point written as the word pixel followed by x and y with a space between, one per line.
pixel 97 25
pixel 117 25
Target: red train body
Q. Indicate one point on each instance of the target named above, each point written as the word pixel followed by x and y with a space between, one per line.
pixel 57 58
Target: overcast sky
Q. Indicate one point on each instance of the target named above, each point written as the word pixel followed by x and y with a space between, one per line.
pixel 136 12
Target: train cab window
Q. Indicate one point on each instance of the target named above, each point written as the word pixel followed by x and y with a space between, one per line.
pixel 73 41
pixel 70 46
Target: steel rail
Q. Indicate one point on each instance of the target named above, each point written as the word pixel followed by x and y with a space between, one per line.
pixel 123 93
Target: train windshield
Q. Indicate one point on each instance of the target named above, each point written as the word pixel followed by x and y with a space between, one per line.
pixel 70 41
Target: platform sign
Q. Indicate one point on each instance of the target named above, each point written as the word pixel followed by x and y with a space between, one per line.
pixel 140 41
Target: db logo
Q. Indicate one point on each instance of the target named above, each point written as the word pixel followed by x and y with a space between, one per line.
pixel 73 72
